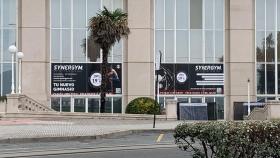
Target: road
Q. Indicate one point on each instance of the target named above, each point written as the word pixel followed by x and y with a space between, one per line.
pixel 141 145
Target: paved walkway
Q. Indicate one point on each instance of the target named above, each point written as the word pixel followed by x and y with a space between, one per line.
pixel 16 129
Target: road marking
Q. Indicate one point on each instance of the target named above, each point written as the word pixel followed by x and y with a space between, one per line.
pixel 160 138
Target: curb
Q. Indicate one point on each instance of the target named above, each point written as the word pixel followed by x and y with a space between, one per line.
pixel 80 138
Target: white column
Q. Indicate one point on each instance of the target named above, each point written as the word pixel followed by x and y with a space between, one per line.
pixel 249 110
pixel 19 56
pixel 13 76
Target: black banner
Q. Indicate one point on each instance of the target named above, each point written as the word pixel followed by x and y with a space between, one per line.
pixel 84 78
pixel 191 79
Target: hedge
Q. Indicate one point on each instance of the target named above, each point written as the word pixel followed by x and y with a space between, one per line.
pixel 142 105
pixel 230 139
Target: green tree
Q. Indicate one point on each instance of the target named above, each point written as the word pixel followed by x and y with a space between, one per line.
pixel 107 28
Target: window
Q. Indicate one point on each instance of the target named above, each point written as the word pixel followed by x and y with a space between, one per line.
pixel 85 104
pixel 69 32
pixel 7 38
pixel 190 31
pixel 267 47
pixel 69 43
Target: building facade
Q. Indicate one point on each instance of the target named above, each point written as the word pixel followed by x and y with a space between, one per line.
pixel 212 51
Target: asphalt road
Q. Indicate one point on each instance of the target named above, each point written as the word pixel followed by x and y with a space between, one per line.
pixel 142 145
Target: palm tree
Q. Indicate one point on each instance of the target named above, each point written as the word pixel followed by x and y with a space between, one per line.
pixel 107 28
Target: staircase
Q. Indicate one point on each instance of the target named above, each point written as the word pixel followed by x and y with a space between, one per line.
pixel 20 103
pixel 271 111
pixel 28 104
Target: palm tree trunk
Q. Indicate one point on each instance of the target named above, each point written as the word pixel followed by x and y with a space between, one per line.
pixel 104 79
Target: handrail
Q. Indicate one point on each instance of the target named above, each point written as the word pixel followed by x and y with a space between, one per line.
pixel 27 104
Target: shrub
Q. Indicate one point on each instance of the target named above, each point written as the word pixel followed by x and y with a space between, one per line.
pixel 230 139
pixel 142 105
pixel 3 98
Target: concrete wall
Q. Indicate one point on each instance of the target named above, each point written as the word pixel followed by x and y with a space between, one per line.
pixel 139 58
pixel 240 53
pixel 33 42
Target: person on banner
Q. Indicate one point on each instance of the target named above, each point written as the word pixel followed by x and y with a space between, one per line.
pixel 113 78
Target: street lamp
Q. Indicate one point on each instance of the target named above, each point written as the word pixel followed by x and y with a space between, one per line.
pixel 20 55
pixel 13 49
pixel 157 68
pixel 249 106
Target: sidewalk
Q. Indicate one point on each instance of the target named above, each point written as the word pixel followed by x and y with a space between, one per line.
pixel 40 130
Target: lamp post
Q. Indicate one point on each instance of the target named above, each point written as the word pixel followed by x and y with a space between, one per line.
pixel 20 55
pixel 249 106
pixel 157 68
pixel 13 49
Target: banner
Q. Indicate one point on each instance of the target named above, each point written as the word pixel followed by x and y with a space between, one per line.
pixel 84 78
pixel 191 79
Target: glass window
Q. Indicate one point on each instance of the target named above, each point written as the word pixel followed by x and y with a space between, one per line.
pixel 219 46
pixel 70 19
pixel 209 14
pixel 278 15
pixel 260 14
pixel 66 45
pixel 117 52
pixel 169 14
pixel 117 4
pixel 270 48
pixel 209 99
pixel 196 100
pixel 55 13
pixel 220 105
pixel 66 13
pixel 261 78
pixel 7 77
pixel 159 41
pixel 195 45
pixel 108 105
pixel 182 46
pixel 92 8
pixel 260 44
pixel 196 14
pixel 79 13
pixel 9 38
pixel 270 78
pixel 182 14
pixel 9 11
pixel 209 46
pixel 278 46
pixel 219 14
pixel 66 104
pixel 159 14
pixel 169 46
pixel 79 36
pixel 185 100
pixel 117 105
pixel 55 104
pixel 55 45
pixel 79 105
pixel 270 14
pixel 161 102
pixel 108 4
pixel 93 105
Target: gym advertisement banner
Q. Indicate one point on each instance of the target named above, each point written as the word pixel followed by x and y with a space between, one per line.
pixel 191 79
pixel 84 78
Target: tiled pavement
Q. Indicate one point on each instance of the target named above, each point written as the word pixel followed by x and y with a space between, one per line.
pixel 62 128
